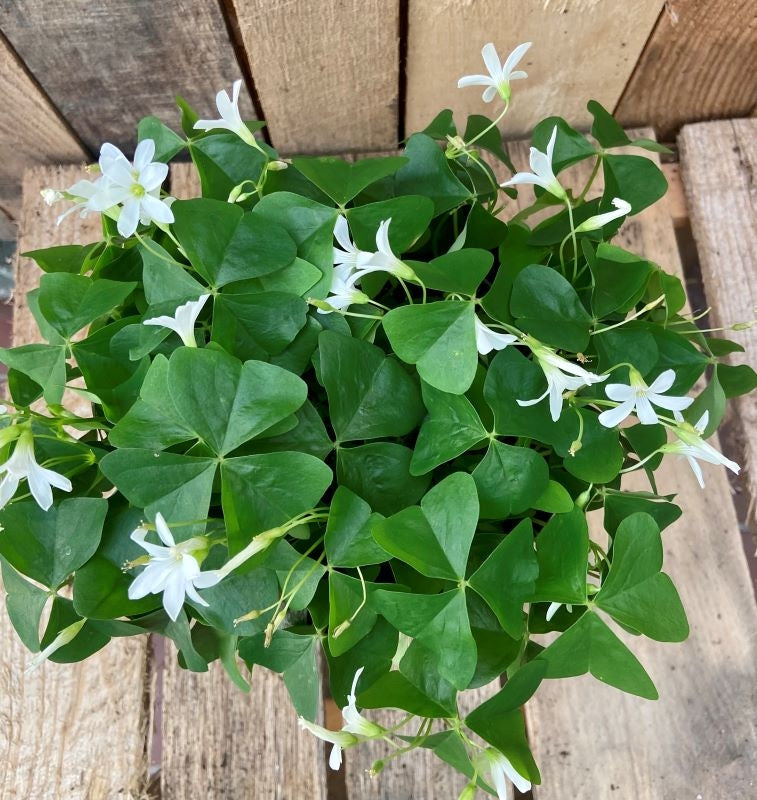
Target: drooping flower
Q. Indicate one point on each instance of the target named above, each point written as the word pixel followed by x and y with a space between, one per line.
pixel 351 257
pixel 598 220
pixel 562 375
pixel 692 446
pixel 637 396
pixel 172 570
pixel 83 194
pixel 64 637
pixel 231 119
pixel 542 175
pixel 134 186
pixel 488 340
pixel 384 260
pixel 497 82
pixel 501 771
pixel 183 321
pixel 343 292
pixel 355 729
pixel 23 465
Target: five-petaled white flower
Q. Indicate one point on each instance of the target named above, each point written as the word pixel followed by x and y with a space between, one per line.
pixel 351 257
pixel 134 186
pixel 692 446
pixel 173 570
pixel 384 260
pixel 183 321
pixel 562 375
pixel 488 340
pixel 501 770
pixel 355 729
pixel 637 396
pixel 231 120
pixel 542 175
pixel 22 464
pixel 598 220
pixel 497 82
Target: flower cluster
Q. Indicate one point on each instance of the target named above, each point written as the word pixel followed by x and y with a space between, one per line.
pixel 385 456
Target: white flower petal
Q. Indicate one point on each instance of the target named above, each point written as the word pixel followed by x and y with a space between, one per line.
pixel 663 382
pixel 173 595
pixel 489 94
pixel 474 80
pixel 128 219
pixel 164 532
pixel 619 391
pixel 614 416
pixel 645 412
pixel 491 60
pixel 512 61
pixel 144 153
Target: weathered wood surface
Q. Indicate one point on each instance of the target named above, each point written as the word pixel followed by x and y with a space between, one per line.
pixel 74 731
pixel 326 73
pixel 115 62
pixel 582 49
pixel 719 162
pixel 218 742
pixel 700 737
pixel 699 63
pixel 30 133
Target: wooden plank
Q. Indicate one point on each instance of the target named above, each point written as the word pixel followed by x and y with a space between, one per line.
pixel 698 64
pixel 591 740
pixel 582 49
pixel 30 134
pixel 326 73
pixel 121 60
pixel 719 161
pixel 217 742
pixel 68 730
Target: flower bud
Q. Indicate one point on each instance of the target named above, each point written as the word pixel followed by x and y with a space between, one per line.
pixel 468 793
pixel 276 166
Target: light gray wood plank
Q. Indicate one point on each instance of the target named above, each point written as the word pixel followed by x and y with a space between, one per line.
pixel 719 161
pixel 106 65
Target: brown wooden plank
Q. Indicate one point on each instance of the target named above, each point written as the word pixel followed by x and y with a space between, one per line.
pixel 719 161
pixel 699 63
pixel 591 740
pixel 326 73
pixel 68 730
pixel 30 133
pixel 217 742
pixel 113 63
pixel 582 49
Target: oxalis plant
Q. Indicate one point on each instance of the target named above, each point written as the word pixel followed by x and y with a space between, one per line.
pixel 361 410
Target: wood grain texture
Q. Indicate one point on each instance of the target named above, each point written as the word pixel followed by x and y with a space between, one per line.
pixel 582 49
pixel 699 739
pixel 719 163
pixel 699 63
pixel 326 73
pixel 74 731
pixel 30 133
pixel 117 61
pixel 217 742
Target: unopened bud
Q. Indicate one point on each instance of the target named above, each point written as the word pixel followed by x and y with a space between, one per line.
pixel 575 446
pixel 340 629
pixel 468 793
pixel 743 326
pixel 376 768
pixel 583 498
pixel 277 166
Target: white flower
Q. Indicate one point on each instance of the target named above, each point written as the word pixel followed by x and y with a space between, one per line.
pixel 598 220
pixel 183 321
pixel 83 194
pixel 384 259
pixel 343 292
pixel 351 257
pixel 22 464
pixel 691 445
pixel 562 375
pixel 134 186
pixel 488 340
pixel 356 728
pixel 497 82
pixel 542 175
pixel 639 397
pixel 172 570
pixel 231 120
pixel 501 770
